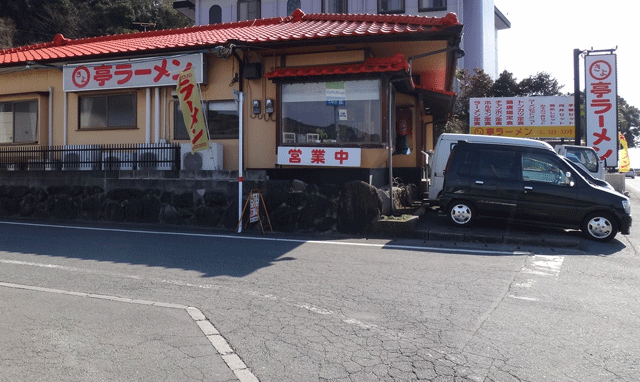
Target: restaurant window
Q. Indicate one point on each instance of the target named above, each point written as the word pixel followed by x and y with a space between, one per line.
pixel 113 111
pixel 432 5
pixel 333 113
pixel 334 6
pixel 18 121
pixel 390 6
pixel 248 10
pixel 222 120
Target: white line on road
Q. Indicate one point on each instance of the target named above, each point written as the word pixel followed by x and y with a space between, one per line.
pixel 221 345
pixel 239 237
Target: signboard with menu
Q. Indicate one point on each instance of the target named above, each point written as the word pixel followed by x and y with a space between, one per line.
pixel 524 117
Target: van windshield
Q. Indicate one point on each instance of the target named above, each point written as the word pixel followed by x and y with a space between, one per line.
pixel 587 158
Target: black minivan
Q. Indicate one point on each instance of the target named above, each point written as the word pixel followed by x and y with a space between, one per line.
pixel 532 185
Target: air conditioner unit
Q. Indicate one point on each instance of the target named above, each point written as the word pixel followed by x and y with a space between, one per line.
pixel 81 157
pixel 118 161
pixel 155 156
pixel 39 164
pixel 210 159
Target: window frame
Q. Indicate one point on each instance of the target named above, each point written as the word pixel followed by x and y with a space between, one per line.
pixel 345 5
pixel 248 2
pixel 384 102
pixel 205 107
pixel 134 96
pixel 432 9
pixel 13 121
pixel 393 11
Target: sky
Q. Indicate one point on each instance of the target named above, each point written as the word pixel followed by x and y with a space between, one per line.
pixel 544 33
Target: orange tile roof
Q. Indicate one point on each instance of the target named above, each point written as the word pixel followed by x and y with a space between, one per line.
pixel 297 27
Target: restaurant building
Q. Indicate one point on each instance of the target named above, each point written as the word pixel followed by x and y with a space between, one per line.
pixel 317 97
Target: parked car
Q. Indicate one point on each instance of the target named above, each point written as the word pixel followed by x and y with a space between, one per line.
pixel 447 141
pixel 529 184
pixel 630 174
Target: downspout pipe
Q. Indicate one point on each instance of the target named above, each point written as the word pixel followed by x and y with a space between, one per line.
pixel 50 119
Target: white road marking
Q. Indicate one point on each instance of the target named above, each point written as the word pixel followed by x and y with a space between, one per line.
pixel 257 238
pixel 542 266
pixel 221 345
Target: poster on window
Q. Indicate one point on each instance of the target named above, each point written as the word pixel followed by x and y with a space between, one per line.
pixel 601 106
pixel 336 93
pixel 191 106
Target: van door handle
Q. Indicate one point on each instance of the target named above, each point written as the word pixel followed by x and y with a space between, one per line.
pixel 528 188
pixel 479 182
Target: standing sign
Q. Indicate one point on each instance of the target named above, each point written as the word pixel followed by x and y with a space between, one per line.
pixel 254 208
pixel 191 106
pixel 602 106
pixel 524 117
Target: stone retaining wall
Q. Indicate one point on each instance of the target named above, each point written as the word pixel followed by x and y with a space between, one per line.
pixel 291 205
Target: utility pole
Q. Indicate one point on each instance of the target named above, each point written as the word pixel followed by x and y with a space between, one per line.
pixel 576 93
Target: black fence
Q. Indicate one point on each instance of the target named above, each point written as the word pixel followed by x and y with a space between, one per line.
pixel 145 156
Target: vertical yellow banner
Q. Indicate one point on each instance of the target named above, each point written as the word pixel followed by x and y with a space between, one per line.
pixel 191 106
pixel 625 165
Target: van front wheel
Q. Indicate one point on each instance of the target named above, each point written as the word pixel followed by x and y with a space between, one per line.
pixel 461 213
pixel 600 226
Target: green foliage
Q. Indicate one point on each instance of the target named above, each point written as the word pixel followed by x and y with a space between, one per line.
pixel 25 22
pixel 628 121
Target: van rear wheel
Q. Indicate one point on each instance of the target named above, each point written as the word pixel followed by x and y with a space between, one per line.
pixel 461 213
pixel 600 226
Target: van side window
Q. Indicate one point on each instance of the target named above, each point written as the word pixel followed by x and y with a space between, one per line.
pixel 496 164
pixel 541 168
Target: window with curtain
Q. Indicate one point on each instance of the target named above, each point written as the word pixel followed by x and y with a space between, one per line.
pixel 432 5
pixel 222 120
pixel 113 111
pixel 332 113
pixel 390 6
pixel 248 9
pixel 19 121
pixel 334 6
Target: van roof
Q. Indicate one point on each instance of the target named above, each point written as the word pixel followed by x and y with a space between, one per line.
pixel 473 138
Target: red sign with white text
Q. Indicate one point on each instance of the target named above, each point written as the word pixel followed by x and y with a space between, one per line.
pixel 602 106
pixel 319 156
pixel 138 73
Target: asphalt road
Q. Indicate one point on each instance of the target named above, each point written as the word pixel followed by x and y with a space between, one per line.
pixel 98 302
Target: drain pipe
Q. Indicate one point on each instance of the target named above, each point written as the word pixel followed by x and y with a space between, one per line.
pixel 238 96
pixel 50 122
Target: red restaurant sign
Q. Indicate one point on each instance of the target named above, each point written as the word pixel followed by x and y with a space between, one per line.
pixel 127 74
pixel 602 106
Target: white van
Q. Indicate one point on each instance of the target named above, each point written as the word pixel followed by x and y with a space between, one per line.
pixel 438 160
pixel 585 156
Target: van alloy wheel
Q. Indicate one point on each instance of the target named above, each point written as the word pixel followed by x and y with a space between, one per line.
pixel 600 227
pixel 461 213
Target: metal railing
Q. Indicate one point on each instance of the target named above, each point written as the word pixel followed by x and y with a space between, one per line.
pixel 144 156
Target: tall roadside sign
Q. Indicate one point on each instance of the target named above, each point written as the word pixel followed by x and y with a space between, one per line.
pixel 601 106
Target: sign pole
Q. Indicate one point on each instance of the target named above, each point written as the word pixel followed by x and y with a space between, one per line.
pixel 238 96
pixel 576 93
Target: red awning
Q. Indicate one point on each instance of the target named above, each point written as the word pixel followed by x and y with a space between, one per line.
pixel 397 63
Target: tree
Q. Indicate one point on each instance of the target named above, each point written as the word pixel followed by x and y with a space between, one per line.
pixel 35 21
pixel 628 121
